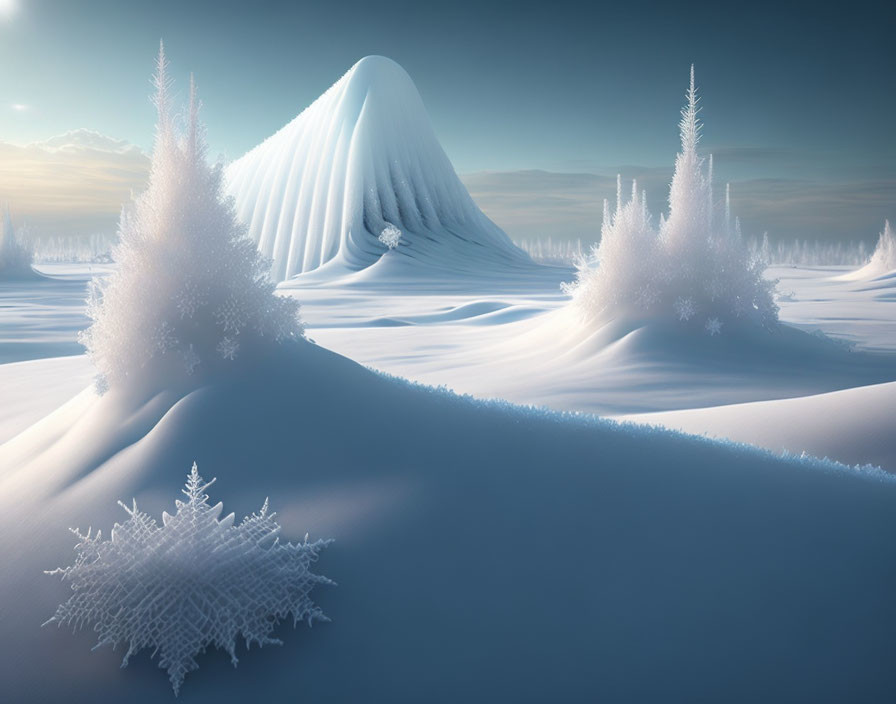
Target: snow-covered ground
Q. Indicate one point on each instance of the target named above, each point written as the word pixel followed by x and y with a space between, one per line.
pixel 526 347
pixel 505 339
pixel 472 540
pixel 42 317
pixel 853 425
pixel 719 568
pixel 484 551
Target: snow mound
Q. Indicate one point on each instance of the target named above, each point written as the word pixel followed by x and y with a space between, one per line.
pixel 361 159
pixel 474 538
pixel 850 425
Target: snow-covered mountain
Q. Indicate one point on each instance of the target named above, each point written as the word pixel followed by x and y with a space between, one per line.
pixel 362 157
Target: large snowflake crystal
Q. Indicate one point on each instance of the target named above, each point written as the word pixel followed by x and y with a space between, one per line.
pixel 228 347
pixel 713 327
pixel 197 580
pixel 390 236
pixel 684 308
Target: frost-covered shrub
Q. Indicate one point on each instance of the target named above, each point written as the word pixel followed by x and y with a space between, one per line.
pixel 15 255
pixel 190 286
pixel 693 265
pixel 884 257
pixel 195 581
pixel 390 236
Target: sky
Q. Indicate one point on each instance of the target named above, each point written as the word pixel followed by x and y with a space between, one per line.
pixel 538 105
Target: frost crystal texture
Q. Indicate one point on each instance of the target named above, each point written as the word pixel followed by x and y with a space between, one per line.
pixel 713 327
pixel 195 581
pixel 884 257
pixel 684 308
pixel 390 236
pixel 190 289
pixel 693 260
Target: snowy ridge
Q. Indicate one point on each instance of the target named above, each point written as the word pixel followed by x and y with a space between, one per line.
pixel 362 157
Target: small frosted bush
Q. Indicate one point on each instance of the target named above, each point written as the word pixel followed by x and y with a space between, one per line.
pixel 884 257
pixel 195 581
pixel 190 286
pixel 15 256
pixel 390 236
pixel 692 265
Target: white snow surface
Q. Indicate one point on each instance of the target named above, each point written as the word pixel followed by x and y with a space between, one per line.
pixel 851 425
pixel 471 541
pixel 476 539
pixel 363 156
pixel 521 343
pixel 505 339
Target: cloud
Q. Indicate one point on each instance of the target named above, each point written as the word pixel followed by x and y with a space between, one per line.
pixel 72 184
pixel 815 210
pixel 533 204
pixel 76 183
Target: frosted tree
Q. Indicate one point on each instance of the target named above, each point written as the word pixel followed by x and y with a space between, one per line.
pixel 191 291
pixel 195 581
pixel 693 261
pixel 390 236
pixel 628 241
pixel 884 257
pixel 765 250
pixel 690 195
pixel 15 256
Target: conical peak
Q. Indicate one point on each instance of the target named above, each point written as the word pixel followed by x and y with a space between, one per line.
pixel 372 69
pixel 361 158
pixel 381 77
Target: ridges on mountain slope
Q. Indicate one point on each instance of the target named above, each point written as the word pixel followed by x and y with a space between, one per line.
pixel 361 157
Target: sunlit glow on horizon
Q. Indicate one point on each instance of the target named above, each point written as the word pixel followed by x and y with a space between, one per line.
pixel 8 8
pixel 18 107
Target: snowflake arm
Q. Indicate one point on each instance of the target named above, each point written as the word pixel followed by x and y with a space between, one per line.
pixel 195 581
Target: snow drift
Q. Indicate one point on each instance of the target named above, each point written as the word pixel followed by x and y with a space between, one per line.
pixel 363 158
pixel 850 425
